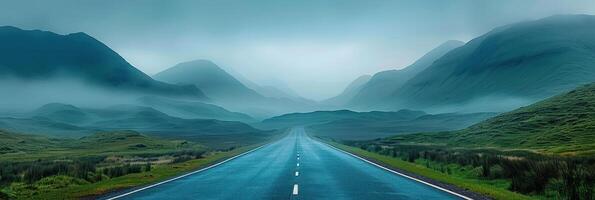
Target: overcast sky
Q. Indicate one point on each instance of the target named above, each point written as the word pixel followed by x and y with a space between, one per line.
pixel 315 47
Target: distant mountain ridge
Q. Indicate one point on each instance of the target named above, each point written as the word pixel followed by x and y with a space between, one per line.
pixel 210 78
pixel 350 125
pixel 530 60
pixel 43 55
pixel 349 92
pixel 229 92
pixel 380 86
pixel 193 109
pixel 63 120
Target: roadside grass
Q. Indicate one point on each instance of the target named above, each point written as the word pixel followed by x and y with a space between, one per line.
pixel 492 188
pixel 59 187
pixel 107 150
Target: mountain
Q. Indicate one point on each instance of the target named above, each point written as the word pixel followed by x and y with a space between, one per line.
pixel 42 55
pixel 212 80
pixel 564 124
pixel 43 126
pixel 319 117
pixel 62 120
pixel 280 90
pixel 227 91
pixel 350 125
pixel 149 120
pixel 372 128
pixel 193 109
pixel 385 83
pixel 507 67
pixel 349 92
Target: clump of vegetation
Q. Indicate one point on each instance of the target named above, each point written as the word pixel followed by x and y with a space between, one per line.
pixel 523 172
pixel 28 168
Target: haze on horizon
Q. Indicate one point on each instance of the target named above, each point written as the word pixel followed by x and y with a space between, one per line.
pixel 314 47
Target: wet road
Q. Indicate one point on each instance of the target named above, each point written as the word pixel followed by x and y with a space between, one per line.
pixel 295 167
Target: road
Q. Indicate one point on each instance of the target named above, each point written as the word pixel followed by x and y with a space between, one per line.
pixel 294 167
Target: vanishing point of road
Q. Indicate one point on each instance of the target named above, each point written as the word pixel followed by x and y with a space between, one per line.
pixel 294 167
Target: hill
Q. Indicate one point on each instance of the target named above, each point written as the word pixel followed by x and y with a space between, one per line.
pixel 56 120
pixel 350 125
pixel 564 124
pixel 383 84
pixel 371 128
pixel 507 67
pixel 43 56
pixel 319 117
pixel 193 109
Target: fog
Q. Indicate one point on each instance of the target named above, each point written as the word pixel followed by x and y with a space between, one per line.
pixel 23 96
pixel 490 103
pixel 315 47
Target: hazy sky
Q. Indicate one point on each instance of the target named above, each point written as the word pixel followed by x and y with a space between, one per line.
pixel 315 47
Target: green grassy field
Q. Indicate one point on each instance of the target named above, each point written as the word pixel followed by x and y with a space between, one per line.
pixel 102 151
pixel 64 187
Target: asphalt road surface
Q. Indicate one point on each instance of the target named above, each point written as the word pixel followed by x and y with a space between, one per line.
pixel 295 167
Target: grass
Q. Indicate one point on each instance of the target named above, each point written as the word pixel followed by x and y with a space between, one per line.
pixel 494 189
pixel 158 173
pixel 563 125
pixel 114 149
pixel 19 147
pixel 81 188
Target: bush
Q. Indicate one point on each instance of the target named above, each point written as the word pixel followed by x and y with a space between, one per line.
pixel 528 173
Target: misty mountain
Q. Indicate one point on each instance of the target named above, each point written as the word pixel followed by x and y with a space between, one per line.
pixel 349 92
pixel 278 91
pixel 384 84
pixel 507 67
pixel 563 124
pixel 193 109
pixel 367 128
pixel 350 125
pixel 215 82
pixel 227 91
pixel 320 117
pixel 42 56
pixel 62 120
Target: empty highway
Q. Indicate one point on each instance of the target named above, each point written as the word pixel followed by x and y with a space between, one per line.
pixel 295 167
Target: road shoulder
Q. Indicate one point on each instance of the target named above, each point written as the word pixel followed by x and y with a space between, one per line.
pixel 445 186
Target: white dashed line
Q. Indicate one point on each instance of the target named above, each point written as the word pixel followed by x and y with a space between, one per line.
pixel 295 189
pixel 298 164
pixel 297 173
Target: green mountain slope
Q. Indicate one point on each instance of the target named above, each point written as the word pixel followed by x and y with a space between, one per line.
pixel 526 61
pixel 562 124
pixel 42 55
pixel 383 84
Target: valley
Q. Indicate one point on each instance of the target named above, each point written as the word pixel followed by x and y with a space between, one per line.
pixel 508 113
